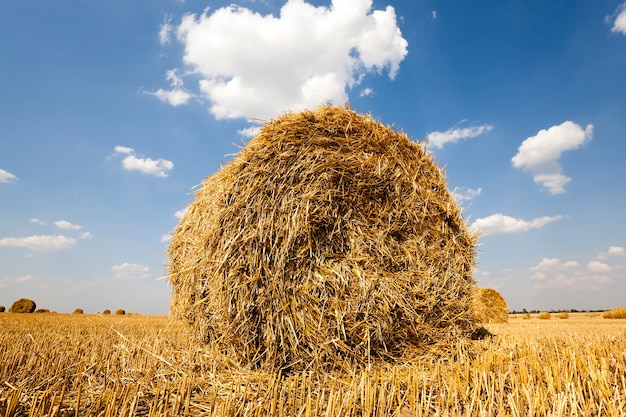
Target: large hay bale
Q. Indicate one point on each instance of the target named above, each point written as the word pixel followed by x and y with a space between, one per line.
pixel 329 236
pixel 23 305
pixel 490 306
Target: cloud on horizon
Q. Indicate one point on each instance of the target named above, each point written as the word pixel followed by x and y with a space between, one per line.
pixel 499 224
pixel 127 270
pixel 539 155
pixel 258 66
pixel 40 243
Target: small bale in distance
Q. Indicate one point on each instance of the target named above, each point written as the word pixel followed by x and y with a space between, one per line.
pixel 2 309
pixel 107 311
pixel 490 306
pixel 120 312
pixel 544 315
pixel 615 313
pixel 41 310
pixel 23 305
pixel 329 237
pixel 563 315
pixel 78 311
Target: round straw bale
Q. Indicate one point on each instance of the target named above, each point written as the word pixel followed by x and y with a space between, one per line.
pixel 2 308
pixel 78 311
pixel 23 305
pixel 120 312
pixel 328 237
pixel 490 306
pixel 107 311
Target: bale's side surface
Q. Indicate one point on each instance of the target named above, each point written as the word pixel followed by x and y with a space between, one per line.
pixel 490 306
pixel 329 237
pixel 23 305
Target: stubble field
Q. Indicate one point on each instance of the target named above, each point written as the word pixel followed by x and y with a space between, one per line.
pixel 93 365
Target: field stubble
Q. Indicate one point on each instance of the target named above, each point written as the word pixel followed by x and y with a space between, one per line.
pixel 92 365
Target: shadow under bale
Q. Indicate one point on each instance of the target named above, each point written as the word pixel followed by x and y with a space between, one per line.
pixel 329 237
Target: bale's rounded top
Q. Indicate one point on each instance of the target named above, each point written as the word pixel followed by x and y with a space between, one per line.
pixel 330 235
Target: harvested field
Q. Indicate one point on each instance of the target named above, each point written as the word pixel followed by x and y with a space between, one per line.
pixel 95 365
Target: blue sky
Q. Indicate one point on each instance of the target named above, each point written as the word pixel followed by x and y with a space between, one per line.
pixel 111 112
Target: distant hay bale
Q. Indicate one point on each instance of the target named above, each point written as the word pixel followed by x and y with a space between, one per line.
pixel 329 237
pixel 78 311
pixel 23 305
pixel 120 312
pixel 615 313
pixel 41 310
pixel 490 306
pixel 563 315
pixel 544 315
pixel 2 309
pixel 106 312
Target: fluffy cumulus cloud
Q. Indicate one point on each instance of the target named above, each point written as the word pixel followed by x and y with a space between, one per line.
pixel 40 243
pixel 456 133
pixel 158 167
pixel 552 273
pixel 129 270
pixel 257 66
pixel 539 154
pixel 64 224
pixel 6 176
pixel 35 220
pixel 498 224
pixel 619 24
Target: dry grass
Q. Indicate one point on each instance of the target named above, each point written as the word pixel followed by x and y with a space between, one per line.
pixel 93 365
pixel 615 313
pixel 330 237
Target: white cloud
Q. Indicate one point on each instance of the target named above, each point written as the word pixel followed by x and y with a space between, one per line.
pixel 41 243
pixel 456 133
pixel 619 25
pixel 552 273
pixel 366 92
pixel 165 30
pixel 181 213
pixel 550 265
pixel 177 95
pixel 23 278
pixel 249 132
pixel 540 154
pixel 85 235
pixel 613 251
pixel 35 220
pixel 434 14
pixel 128 270
pixel 123 149
pixel 64 224
pixel 498 224
pixel 6 176
pixel 166 238
pixel 596 266
pixel 158 167
pixel 258 66
pixel 462 194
